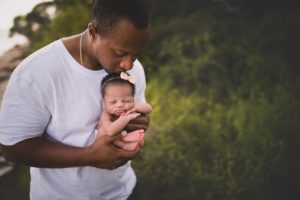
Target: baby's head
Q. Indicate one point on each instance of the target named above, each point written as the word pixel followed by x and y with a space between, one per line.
pixel 118 93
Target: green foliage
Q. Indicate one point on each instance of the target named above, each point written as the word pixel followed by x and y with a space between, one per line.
pixel 62 25
pixel 15 185
pixel 225 120
pixel 198 149
pixel 29 24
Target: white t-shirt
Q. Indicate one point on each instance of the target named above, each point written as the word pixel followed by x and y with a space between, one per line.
pixel 50 94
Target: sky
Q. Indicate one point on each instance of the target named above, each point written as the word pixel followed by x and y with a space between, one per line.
pixel 8 10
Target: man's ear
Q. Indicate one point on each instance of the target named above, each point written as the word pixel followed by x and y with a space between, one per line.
pixel 92 31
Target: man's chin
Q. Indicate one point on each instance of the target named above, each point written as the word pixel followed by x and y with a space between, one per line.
pixel 107 71
pixel 118 71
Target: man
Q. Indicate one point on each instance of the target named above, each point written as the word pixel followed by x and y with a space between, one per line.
pixel 52 104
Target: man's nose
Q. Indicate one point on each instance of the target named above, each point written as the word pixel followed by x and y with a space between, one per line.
pixel 127 63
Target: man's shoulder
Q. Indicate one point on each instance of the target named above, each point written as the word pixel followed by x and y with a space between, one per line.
pixel 53 46
pixel 40 59
pixel 40 66
pixel 41 56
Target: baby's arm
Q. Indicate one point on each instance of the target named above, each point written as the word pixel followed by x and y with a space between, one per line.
pixel 141 107
pixel 114 127
pixel 105 120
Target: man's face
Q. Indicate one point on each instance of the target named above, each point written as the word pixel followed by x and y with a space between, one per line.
pixel 118 99
pixel 117 50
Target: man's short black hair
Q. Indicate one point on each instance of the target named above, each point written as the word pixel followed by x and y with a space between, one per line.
pixel 106 13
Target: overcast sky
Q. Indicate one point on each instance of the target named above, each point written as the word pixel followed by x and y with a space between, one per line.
pixel 11 8
pixel 8 10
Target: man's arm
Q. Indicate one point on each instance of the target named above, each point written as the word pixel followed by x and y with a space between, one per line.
pixel 40 152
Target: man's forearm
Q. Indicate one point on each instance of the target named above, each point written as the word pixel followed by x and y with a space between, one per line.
pixel 40 152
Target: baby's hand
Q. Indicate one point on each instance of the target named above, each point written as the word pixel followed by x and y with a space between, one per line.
pixel 132 110
pixel 131 116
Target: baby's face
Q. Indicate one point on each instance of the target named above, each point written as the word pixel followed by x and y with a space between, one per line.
pixel 118 99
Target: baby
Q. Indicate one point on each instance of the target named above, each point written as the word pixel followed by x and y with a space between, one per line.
pixel 119 108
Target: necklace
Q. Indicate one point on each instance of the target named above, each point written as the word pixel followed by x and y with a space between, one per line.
pixel 80 49
pixel 81 55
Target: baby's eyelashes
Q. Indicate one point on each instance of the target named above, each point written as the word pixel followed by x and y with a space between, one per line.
pixel 112 102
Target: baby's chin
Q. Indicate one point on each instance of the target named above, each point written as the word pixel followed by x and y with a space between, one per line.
pixel 119 113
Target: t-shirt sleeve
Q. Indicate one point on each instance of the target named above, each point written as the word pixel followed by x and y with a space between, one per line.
pixel 24 113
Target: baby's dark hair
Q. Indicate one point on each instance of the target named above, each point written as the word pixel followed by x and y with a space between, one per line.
pixel 115 79
pixel 106 13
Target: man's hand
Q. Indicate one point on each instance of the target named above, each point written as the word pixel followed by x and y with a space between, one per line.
pixel 103 153
pixel 141 122
pixel 41 152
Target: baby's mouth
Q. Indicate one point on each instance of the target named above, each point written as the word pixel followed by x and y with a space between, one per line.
pixel 119 112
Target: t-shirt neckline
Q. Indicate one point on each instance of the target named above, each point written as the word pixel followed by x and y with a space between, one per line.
pixel 75 64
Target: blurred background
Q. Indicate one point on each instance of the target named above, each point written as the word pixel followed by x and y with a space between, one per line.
pixel 223 80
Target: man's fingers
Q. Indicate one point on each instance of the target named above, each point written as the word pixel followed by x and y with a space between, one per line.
pixel 141 122
pixel 129 155
pixel 133 127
